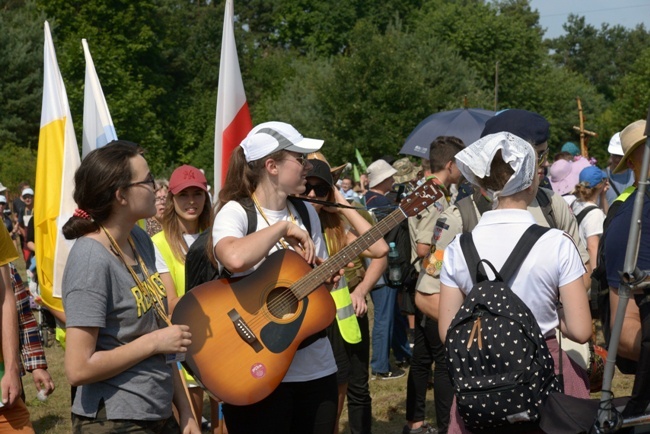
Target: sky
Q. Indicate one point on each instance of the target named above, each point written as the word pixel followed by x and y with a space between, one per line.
pixel 628 13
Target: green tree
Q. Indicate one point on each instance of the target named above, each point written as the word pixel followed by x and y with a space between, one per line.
pixel 372 97
pixel 633 93
pixel 602 55
pixel 21 72
pixel 126 42
pixel 483 34
pixel 17 164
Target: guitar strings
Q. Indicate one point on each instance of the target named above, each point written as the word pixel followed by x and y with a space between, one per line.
pixel 302 287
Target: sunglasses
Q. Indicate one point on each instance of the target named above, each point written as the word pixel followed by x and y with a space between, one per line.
pixel 541 158
pixel 320 190
pixel 300 160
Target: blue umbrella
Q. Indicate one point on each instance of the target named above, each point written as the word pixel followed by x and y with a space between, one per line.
pixel 466 124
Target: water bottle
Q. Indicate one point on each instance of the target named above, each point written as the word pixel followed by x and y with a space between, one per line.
pixel 394 268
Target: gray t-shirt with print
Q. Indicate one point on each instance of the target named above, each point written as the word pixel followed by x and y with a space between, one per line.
pixel 99 291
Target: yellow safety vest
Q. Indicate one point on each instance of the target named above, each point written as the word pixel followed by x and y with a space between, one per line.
pixel 176 267
pixel 177 271
pixel 626 193
pixel 345 317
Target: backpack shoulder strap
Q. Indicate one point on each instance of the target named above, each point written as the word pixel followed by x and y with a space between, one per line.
pixel 251 214
pixel 545 203
pixel 521 250
pixel 582 214
pixel 472 258
pixel 467 213
pixel 302 212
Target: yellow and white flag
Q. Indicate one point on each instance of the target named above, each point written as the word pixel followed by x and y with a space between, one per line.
pixel 56 163
pixel 98 126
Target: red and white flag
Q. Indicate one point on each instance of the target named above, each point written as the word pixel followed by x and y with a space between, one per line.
pixel 233 117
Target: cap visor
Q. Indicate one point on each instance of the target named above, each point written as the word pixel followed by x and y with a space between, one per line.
pixel 305 146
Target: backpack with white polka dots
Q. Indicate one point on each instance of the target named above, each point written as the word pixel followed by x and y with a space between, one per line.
pixel 501 368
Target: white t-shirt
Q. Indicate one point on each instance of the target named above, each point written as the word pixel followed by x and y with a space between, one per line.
pixel 592 223
pixel 554 261
pixel 161 265
pixel 316 360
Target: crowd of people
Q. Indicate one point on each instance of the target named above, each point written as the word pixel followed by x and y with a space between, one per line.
pixel 129 268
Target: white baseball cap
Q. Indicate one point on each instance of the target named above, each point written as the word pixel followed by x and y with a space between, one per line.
pixel 270 137
pixel 27 191
pixel 615 147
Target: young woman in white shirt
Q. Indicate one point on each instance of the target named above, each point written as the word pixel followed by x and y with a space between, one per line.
pixel 269 166
pixel 553 268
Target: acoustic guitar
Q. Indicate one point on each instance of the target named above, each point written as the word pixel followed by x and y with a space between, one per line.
pixel 245 332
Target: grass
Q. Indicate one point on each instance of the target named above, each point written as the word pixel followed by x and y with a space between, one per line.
pixel 389 401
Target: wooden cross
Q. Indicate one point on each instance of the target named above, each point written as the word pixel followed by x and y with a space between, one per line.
pixel 584 134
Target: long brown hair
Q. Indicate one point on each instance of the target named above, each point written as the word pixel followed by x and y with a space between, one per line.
pixel 334 228
pixel 242 178
pixel 172 227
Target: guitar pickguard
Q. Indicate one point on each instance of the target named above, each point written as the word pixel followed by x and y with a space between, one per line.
pixel 277 337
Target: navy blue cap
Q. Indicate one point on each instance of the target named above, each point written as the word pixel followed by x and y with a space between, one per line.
pixel 530 126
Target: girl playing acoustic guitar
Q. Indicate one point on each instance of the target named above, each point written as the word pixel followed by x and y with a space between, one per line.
pixel 268 167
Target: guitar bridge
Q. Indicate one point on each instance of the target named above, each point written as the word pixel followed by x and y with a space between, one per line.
pixel 244 331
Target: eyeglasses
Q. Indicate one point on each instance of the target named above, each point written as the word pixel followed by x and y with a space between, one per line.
pixel 320 190
pixel 161 199
pixel 300 160
pixel 542 156
pixel 149 181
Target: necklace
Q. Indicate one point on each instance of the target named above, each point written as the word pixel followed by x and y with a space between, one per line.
pixel 145 286
pixel 284 244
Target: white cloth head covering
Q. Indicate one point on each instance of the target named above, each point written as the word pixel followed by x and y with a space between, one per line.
pixel 475 160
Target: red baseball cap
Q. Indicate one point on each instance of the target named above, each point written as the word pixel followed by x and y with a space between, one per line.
pixel 187 176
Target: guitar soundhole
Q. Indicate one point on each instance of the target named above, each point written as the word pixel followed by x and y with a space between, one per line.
pixel 281 303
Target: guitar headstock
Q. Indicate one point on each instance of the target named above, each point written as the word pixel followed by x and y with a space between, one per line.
pixel 421 198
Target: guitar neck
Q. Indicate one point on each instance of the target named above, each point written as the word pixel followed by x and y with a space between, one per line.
pixel 331 266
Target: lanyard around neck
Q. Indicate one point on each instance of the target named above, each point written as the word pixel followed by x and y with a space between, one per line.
pixel 145 286
pixel 284 244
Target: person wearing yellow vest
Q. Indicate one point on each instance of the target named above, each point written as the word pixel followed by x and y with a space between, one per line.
pixel 349 335
pixel 187 213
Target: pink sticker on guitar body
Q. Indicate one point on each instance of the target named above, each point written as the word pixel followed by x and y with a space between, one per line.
pixel 258 370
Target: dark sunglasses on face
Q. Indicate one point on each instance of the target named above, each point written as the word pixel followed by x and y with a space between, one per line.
pixel 320 190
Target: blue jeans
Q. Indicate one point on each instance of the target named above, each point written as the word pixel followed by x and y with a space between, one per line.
pixel 389 330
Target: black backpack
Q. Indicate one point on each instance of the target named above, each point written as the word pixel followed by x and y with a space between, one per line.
pixel 400 236
pixel 198 267
pixel 501 368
